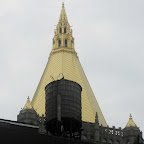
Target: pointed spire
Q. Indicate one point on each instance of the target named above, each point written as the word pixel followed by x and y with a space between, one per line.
pixel 63 4
pixel 28 104
pixel 63 28
pixel 131 123
pixel 96 118
pixel 63 59
pixel 63 16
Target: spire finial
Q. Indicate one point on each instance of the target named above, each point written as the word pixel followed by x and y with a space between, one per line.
pixel 130 116
pixel 63 16
pixel 63 4
pixel 28 98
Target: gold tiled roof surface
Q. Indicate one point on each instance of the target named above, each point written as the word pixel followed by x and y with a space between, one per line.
pixel 63 59
pixel 68 64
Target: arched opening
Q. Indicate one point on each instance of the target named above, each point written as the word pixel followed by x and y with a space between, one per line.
pixel 65 30
pixel 66 42
pixel 59 43
pixel 60 30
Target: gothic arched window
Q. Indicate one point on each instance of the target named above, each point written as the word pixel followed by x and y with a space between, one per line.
pixel 60 30
pixel 59 43
pixel 65 30
pixel 66 43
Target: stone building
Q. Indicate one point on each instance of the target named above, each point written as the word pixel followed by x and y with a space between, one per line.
pixel 131 134
pixel 95 133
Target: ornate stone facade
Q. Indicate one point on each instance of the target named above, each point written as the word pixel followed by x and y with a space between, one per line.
pixel 99 134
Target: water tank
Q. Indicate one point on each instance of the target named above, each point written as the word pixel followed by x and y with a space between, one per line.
pixel 63 105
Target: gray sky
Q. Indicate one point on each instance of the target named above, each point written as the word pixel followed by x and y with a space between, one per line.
pixel 109 40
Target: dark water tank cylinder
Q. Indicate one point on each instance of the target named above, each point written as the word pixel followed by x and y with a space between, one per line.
pixel 63 105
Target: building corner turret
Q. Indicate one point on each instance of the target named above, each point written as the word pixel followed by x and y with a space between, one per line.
pixel 131 133
pixel 28 115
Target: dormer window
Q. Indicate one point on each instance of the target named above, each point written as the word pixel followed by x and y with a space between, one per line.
pixel 59 43
pixel 60 30
pixel 66 43
pixel 65 30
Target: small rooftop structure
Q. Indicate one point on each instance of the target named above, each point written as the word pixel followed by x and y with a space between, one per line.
pixel 131 123
pixel 28 104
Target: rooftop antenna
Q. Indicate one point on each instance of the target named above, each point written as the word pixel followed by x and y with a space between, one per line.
pixel 59 76
pixel 52 78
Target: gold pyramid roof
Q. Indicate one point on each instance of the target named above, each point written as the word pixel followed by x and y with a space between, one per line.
pixel 131 123
pixel 28 104
pixel 63 59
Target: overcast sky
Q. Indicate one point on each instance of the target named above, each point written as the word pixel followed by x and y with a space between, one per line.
pixel 109 40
